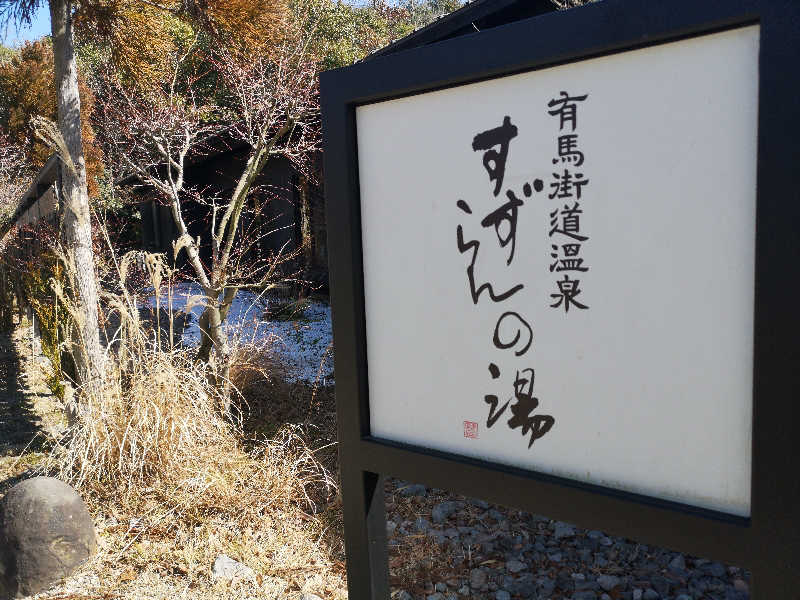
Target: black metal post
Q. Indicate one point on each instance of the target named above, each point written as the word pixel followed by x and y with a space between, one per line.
pixel 365 534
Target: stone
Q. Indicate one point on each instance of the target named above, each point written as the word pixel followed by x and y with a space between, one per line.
pixel 414 489
pixel 563 530
pixel 421 525
pixel 310 597
pixel 45 534
pixel 502 595
pixel 443 510
pixel 660 584
pixel 678 562
pixel 608 582
pixel 227 568
pixel 402 595
pixel 477 578
pixel 515 566
pixel 637 594
pixel 650 594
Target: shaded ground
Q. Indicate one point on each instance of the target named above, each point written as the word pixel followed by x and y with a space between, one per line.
pixel 19 422
pixel 28 410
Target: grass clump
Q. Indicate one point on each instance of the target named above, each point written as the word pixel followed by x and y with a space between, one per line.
pixel 173 480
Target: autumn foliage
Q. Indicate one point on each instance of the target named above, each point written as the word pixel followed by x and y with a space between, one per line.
pixel 27 89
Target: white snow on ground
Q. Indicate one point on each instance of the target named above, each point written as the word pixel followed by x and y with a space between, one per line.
pixel 302 345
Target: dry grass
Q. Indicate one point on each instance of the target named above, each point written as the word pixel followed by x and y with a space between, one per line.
pixel 172 482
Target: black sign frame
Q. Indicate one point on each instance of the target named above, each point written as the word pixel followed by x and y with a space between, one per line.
pixel 768 542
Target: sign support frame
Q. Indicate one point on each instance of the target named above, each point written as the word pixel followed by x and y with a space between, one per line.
pixel 768 542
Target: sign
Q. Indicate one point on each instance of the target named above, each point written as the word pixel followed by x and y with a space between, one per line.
pixel 599 214
pixel 561 256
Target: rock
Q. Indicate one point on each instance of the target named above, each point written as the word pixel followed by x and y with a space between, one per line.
pixel 311 596
pixel 563 530
pixel 45 534
pixel 443 510
pixel 440 587
pixel 660 584
pixel 436 596
pixel 502 595
pixel 515 566
pixel 585 595
pixel 477 578
pixel 637 594
pixel 227 568
pixel 402 595
pixel 608 582
pixel 421 525
pixel 650 594
pixel 741 586
pixel 415 489
pixel 678 562
pixel 595 535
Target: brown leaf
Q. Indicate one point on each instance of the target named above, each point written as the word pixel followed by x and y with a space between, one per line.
pixel 128 575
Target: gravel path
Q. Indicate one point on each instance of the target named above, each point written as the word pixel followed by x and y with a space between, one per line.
pixel 445 547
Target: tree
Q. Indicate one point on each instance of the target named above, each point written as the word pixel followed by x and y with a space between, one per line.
pixel 27 89
pixel 346 33
pixel 234 21
pixel 267 102
pixel 67 140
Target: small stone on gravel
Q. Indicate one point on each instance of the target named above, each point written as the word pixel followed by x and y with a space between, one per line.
pixel 608 582
pixel 227 568
pixel 563 530
pixel 515 566
pixel 443 510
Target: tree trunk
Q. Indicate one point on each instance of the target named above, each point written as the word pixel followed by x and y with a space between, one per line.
pixel 306 233
pixel 77 231
pixel 213 336
pixel 206 341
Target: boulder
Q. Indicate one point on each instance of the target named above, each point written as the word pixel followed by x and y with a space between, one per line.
pixel 45 534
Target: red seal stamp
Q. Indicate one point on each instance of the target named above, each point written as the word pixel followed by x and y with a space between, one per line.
pixel 470 429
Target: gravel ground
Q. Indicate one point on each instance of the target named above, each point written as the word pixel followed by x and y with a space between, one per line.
pixel 445 547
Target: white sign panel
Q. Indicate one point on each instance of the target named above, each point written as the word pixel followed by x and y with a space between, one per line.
pixel 559 269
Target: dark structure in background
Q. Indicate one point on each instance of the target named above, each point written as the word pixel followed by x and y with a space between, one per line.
pixel 296 210
pixel 291 209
